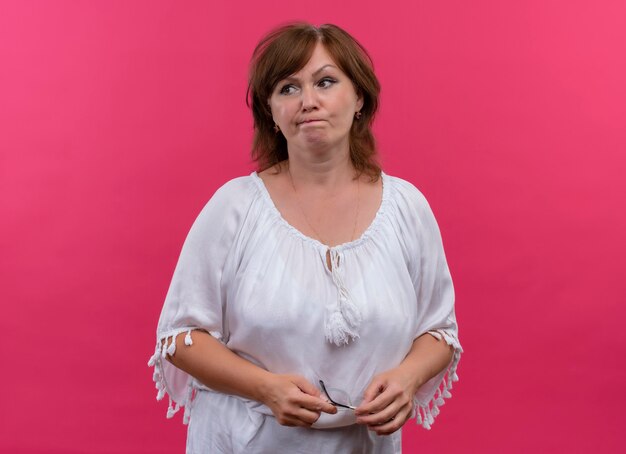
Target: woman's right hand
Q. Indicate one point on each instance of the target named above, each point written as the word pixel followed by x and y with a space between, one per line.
pixel 294 401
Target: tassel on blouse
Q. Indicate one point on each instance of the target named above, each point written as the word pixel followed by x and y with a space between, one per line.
pixel 172 348
pixel 189 399
pixel 337 330
pixel 166 345
pixel 171 409
pixel 426 412
pixel 343 323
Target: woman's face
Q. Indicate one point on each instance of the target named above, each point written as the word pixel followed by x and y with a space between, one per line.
pixel 315 107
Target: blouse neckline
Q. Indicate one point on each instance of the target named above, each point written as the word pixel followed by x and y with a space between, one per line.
pixel 373 227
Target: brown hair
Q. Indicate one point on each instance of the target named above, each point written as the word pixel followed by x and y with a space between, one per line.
pixel 286 50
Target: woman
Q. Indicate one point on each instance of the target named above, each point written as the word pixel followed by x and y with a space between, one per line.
pixel 315 293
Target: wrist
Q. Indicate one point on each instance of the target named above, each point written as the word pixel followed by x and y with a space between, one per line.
pixel 262 390
pixel 412 377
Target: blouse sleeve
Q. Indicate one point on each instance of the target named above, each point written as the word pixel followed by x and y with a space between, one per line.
pixel 435 297
pixel 195 299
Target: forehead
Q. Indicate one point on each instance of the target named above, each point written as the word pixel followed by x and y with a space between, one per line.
pixel 319 58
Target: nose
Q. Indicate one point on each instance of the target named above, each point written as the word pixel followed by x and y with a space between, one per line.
pixel 309 99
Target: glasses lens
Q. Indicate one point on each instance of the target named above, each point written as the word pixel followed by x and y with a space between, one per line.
pixel 337 397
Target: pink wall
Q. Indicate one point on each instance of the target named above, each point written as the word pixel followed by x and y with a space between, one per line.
pixel 119 119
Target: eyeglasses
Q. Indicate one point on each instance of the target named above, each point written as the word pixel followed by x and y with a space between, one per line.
pixel 336 404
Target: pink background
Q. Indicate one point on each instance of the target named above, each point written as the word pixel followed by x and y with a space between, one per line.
pixel 119 119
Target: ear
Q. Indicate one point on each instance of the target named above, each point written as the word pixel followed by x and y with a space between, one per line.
pixel 359 101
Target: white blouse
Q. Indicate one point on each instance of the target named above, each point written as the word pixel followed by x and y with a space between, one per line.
pixel 265 291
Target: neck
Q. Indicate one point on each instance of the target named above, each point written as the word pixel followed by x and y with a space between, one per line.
pixel 324 171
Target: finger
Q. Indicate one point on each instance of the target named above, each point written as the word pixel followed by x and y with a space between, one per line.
pixel 386 429
pixel 307 416
pixel 299 417
pixel 383 400
pixel 392 424
pixel 382 416
pixel 315 404
pixel 304 385
pixel 374 389
pixel 291 421
pixel 310 396
pixel 294 415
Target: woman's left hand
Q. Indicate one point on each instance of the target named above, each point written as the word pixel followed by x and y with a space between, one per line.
pixel 388 401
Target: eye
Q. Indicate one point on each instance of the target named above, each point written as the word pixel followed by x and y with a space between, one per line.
pixel 326 82
pixel 287 89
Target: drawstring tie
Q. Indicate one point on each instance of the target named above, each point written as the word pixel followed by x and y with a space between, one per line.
pixel 344 318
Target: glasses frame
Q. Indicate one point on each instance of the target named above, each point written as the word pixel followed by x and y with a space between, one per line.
pixel 336 404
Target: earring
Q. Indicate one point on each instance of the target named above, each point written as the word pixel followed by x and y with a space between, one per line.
pixel 357 115
pixel 276 128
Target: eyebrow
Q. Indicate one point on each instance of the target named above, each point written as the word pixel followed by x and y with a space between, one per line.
pixel 315 73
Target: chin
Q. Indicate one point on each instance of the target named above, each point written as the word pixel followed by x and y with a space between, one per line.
pixel 316 140
pixel 319 144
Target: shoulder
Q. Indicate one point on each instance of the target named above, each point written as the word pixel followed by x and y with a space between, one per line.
pixel 406 195
pixel 233 194
pixel 229 203
pixel 234 190
pixel 413 213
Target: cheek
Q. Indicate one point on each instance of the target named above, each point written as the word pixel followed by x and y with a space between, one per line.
pixel 345 112
pixel 347 103
pixel 282 112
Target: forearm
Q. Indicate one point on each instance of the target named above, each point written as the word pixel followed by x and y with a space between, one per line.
pixel 291 398
pixel 388 400
pixel 427 358
pixel 217 367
